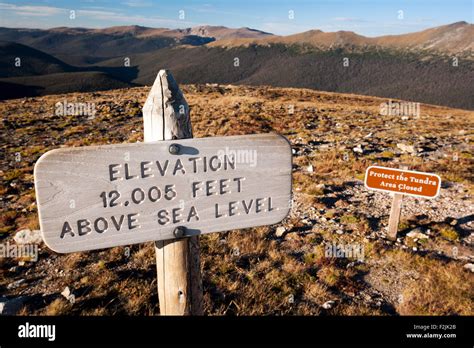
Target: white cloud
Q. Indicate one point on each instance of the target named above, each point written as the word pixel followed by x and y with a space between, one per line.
pixel 27 10
pixel 120 18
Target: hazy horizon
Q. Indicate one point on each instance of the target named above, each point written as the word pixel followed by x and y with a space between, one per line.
pixel 370 18
pixel 217 25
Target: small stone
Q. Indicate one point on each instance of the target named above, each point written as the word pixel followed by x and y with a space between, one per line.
pixel 27 236
pixel 417 234
pixel 68 295
pixel 358 149
pixel 280 231
pixel 469 267
pixel 310 168
pixel 15 284
pixel 66 292
pixel 340 232
pixel 329 304
pixel 406 148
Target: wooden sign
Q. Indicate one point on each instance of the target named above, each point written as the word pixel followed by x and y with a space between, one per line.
pixel 401 182
pixel 103 196
pixel 405 182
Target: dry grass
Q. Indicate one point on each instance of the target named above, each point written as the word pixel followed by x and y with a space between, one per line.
pixel 247 272
pixel 443 288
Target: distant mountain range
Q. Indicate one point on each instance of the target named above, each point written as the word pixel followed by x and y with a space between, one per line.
pixel 456 38
pixel 83 46
pixel 433 66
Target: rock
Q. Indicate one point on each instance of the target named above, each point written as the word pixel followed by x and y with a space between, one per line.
pixel 15 284
pixel 68 295
pixel 27 236
pixel 66 292
pixel 329 304
pixel 310 168
pixel 280 231
pixel 340 232
pixel 406 148
pixel 469 267
pixel 417 234
pixel 358 149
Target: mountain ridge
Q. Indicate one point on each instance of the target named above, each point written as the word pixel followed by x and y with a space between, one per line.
pixel 131 55
pixel 451 38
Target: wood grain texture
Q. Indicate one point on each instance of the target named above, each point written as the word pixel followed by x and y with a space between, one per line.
pixel 166 116
pixel 394 216
pixel 69 183
pixel 395 211
pixel 166 112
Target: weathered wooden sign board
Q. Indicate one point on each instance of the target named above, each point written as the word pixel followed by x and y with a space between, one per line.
pixel 405 182
pixel 401 182
pixel 104 196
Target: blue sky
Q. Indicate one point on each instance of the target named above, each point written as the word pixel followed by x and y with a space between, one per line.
pixel 366 17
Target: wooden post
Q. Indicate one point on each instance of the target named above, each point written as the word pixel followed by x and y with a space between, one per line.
pixel 166 117
pixel 394 216
pixel 395 211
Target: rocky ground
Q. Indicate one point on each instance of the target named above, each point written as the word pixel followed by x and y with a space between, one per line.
pixel 282 269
